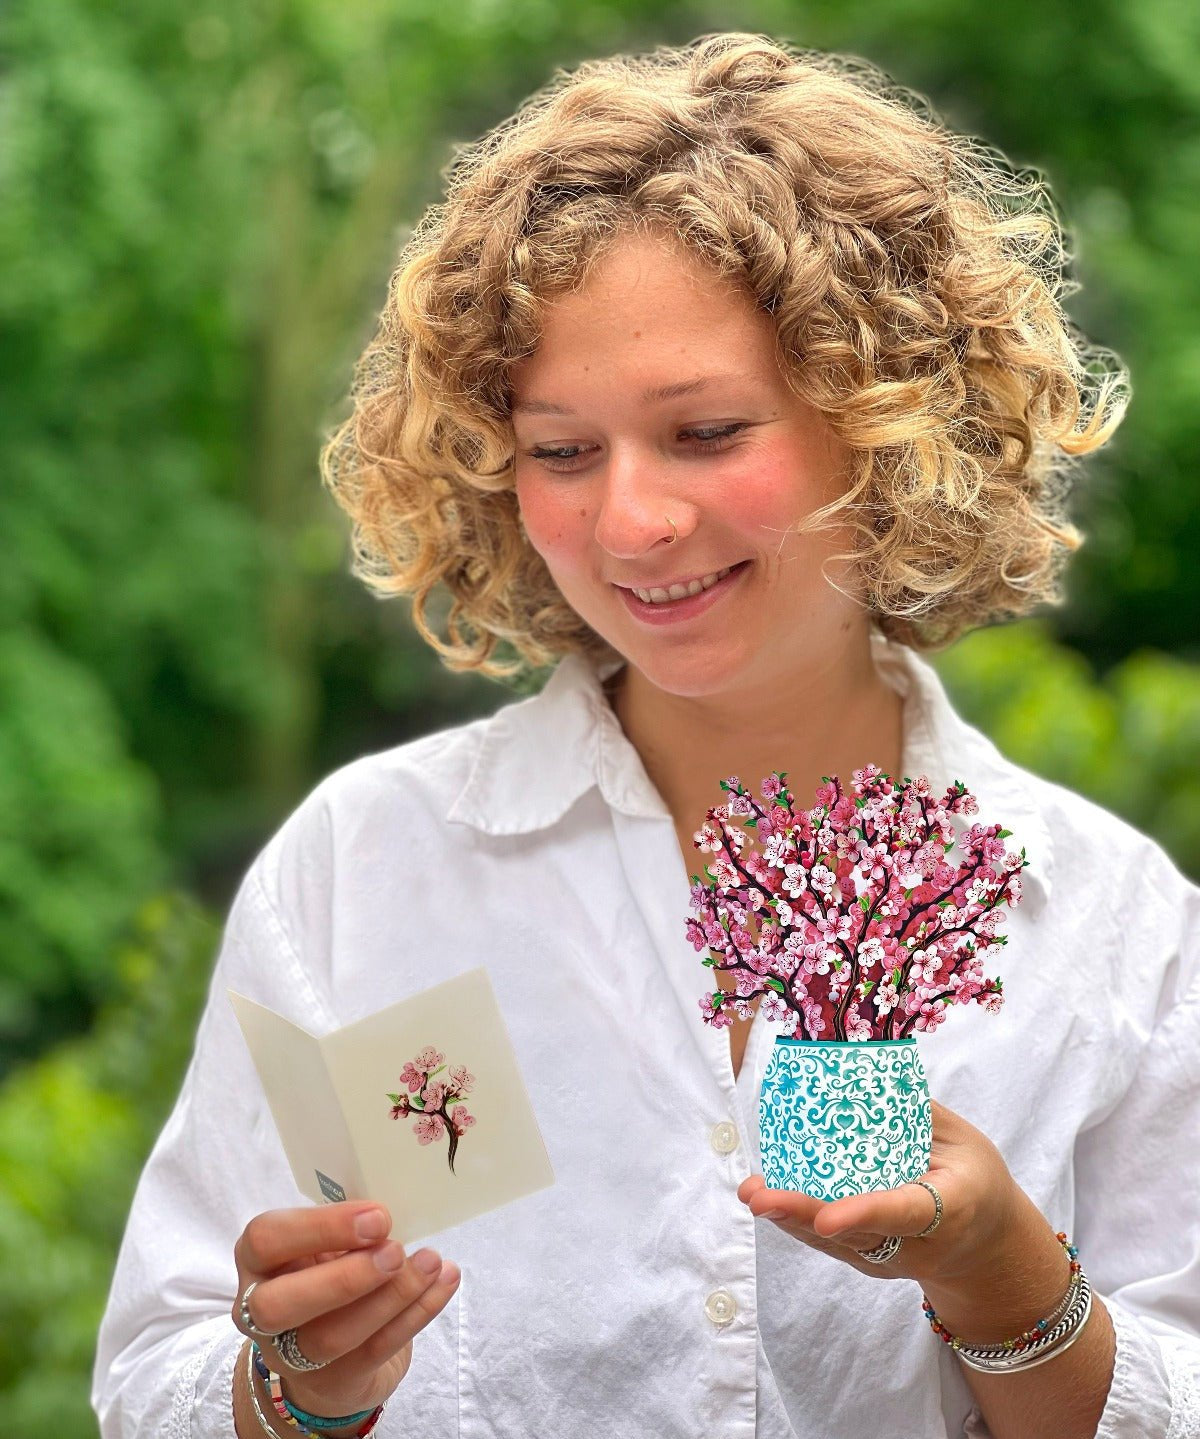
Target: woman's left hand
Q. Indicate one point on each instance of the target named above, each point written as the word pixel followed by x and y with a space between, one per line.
pixel 979 1204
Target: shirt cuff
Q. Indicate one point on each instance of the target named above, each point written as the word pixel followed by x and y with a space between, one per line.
pixel 202 1405
pixel 1139 1398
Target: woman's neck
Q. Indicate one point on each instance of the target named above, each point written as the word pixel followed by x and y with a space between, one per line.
pixel 832 722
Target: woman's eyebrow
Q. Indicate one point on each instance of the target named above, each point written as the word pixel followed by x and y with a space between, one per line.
pixel 656 394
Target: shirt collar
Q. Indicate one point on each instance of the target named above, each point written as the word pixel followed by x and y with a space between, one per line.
pixel 541 754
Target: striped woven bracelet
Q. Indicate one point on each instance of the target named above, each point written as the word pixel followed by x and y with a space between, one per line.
pixel 296 1418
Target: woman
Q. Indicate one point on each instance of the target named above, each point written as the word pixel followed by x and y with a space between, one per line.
pixel 741 318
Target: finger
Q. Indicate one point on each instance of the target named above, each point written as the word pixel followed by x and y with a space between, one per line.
pixel 343 1332
pixel 782 1204
pixel 284 1236
pixel 905 1211
pixel 285 1301
pixel 390 1338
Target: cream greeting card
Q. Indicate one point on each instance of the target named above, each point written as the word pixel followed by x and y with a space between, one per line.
pixel 421 1106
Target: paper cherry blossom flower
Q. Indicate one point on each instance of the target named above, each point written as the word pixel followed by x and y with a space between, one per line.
pixel 847 919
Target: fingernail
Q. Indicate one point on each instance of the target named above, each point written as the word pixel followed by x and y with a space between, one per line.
pixel 371 1225
pixel 390 1258
pixel 773 1214
pixel 450 1273
pixel 427 1261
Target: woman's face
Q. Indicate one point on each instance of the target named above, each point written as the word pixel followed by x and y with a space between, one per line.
pixel 734 461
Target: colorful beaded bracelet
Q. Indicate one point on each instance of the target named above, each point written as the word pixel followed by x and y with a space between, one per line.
pixel 296 1418
pixel 1054 1342
pixel 1022 1341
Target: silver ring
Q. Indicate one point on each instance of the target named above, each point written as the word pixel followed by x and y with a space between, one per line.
pixel 248 1324
pixel 937 1217
pixel 289 1353
pixel 883 1252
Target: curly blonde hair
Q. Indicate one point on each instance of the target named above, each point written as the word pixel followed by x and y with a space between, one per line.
pixel 914 279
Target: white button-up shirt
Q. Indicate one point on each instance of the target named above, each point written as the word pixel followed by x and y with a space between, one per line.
pixel 637 1296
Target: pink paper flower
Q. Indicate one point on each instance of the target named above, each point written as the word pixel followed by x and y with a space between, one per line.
pixel 848 919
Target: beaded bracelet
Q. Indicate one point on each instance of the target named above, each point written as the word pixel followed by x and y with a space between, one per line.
pixel 295 1418
pixel 1050 1332
pixel 1061 1337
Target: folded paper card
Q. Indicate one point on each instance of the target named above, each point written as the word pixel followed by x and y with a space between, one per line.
pixel 421 1106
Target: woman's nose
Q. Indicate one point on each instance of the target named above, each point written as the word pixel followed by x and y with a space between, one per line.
pixel 637 508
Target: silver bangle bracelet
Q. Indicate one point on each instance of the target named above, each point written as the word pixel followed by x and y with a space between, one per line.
pixel 1053 1342
pixel 1041 1359
pixel 265 1423
pixel 986 1353
pixel 1051 1323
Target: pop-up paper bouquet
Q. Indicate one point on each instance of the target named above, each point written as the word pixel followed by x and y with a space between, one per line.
pixel 855 930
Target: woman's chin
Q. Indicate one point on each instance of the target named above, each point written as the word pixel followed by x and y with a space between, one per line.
pixel 695 675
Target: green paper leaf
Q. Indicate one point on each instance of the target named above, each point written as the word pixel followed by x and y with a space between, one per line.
pixel 395 1098
pixel 776 984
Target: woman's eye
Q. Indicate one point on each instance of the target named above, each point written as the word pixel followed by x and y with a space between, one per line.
pixel 704 439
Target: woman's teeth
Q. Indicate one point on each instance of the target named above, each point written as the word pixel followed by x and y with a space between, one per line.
pixel 680 592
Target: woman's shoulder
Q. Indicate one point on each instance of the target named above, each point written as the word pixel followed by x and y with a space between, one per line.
pixel 391 802
pixel 1120 900
pixel 1096 849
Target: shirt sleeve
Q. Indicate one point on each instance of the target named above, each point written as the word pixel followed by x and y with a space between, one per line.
pixel 1137 1179
pixel 167 1342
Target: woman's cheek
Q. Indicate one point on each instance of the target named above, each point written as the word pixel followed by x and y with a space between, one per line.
pixel 552 521
pixel 761 500
pixel 782 483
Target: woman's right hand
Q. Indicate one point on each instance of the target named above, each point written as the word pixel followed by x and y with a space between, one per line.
pixel 354 1298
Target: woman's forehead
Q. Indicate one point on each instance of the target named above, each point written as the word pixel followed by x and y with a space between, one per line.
pixel 651 299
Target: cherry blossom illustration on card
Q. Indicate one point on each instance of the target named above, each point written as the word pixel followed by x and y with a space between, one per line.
pixel 432 1106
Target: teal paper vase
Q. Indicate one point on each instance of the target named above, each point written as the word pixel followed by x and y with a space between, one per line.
pixel 839 1117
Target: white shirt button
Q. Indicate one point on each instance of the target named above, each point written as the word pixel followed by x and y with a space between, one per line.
pixel 720 1306
pixel 724 1137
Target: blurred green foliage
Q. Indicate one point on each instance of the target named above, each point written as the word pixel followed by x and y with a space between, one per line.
pixel 75 1128
pixel 1130 741
pixel 77 821
pixel 200 207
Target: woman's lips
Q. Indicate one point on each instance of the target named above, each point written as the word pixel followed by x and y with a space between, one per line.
pixel 676 611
